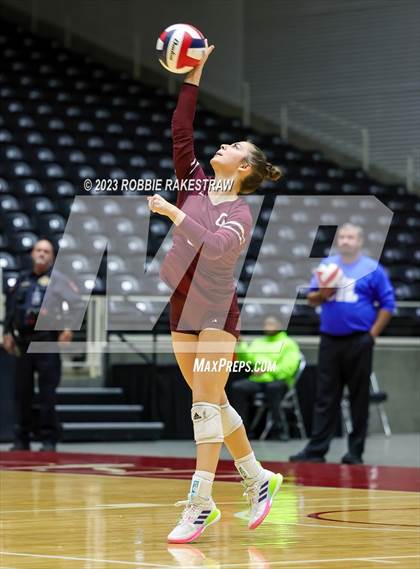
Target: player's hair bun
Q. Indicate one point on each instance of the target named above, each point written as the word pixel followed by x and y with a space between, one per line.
pixel 261 170
pixel 273 172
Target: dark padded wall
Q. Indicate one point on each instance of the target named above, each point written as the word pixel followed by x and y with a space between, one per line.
pixel 6 396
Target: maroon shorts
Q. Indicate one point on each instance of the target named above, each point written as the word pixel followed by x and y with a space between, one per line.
pixel 203 317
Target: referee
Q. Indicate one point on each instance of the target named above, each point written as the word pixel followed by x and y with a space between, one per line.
pixel 352 317
pixel 23 305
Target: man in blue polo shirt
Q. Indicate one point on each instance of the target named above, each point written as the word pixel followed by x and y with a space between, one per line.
pixel 352 316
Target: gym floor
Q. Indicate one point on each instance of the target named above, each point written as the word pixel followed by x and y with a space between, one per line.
pixel 94 511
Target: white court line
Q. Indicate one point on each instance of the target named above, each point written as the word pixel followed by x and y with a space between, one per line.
pixel 90 508
pixel 68 558
pixel 134 505
pixel 383 561
pixel 244 516
pixel 375 559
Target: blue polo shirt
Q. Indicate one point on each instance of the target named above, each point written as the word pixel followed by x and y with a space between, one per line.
pixel 362 291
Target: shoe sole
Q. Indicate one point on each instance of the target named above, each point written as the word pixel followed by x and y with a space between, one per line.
pixel 278 482
pixel 199 532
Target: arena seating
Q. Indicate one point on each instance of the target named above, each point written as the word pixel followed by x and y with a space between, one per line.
pixel 65 118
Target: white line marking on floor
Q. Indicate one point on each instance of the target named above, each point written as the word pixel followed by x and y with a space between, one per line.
pixel 68 558
pixel 134 505
pixel 90 508
pixel 375 559
pixel 244 516
pixel 383 561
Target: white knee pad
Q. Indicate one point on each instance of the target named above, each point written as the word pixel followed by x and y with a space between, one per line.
pixel 207 423
pixel 231 420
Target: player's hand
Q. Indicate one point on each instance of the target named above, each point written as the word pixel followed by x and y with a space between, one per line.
pixel 65 337
pixel 194 75
pixel 9 344
pixel 207 52
pixel 158 204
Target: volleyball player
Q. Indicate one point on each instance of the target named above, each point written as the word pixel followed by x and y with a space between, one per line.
pixel 212 228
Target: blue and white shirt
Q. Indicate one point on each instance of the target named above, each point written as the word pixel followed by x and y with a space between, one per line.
pixel 364 289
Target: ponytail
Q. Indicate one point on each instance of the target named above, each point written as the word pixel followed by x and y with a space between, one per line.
pixel 273 172
pixel 261 170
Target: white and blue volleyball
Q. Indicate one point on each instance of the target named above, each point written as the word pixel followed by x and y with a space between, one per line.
pixel 180 48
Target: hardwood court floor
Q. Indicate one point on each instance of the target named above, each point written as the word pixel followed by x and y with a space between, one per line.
pixel 118 513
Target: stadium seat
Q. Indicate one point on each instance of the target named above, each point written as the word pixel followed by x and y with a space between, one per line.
pixel 9 279
pixel 412 274
pixel 159 228
pixel 124 284
pixel 397 273
pixel 11 152
pixel 45 155
pixel 28 187
pixel 407 291
pixel 14 222
pixel 50 224
pixel 38 205
pixel 8 203
pixel 88 283
pixel 22 242
pixel 4 186
pixel 61 189
pixel 392 255
pixel 8 262
pixel 4 242
pixel 116 264
pixel 266 287
pixel 129 246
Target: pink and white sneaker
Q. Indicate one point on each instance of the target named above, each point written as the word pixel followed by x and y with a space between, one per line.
pixel 198 515
pixel 260 496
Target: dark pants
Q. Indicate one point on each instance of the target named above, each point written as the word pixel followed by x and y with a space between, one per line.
pixel 244 390
pixel 48 368
pixel 342 361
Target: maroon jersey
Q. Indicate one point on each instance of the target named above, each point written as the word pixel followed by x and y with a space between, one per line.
pixel 208 242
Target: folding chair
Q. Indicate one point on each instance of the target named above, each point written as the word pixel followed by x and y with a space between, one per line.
pixel 289 402
pixel 378 398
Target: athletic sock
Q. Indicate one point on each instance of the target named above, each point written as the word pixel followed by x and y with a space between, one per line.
pixel 249 467
pixel 201 484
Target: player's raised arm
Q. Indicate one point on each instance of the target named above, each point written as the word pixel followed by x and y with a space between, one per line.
pixel 185 162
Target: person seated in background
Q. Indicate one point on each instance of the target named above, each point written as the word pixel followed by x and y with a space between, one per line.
pixel 283 353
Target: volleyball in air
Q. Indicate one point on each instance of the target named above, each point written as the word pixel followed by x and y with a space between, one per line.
pixel 180 48
pixel 329 275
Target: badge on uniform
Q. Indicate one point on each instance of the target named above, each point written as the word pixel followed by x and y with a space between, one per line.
pixel 44 280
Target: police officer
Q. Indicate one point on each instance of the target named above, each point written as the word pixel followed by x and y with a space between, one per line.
pixel 23 306
pixel 352 317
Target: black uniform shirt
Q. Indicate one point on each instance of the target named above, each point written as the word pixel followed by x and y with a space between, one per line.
pixel 24 305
